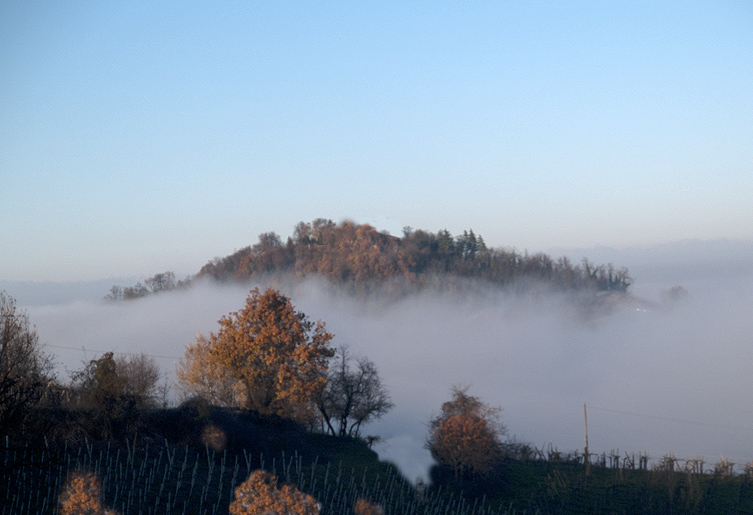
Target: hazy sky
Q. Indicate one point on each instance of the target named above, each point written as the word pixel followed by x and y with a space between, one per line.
pixel 137 138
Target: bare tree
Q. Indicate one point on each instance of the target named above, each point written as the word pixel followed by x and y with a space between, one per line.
pixel 354 395
pixel 161 282
pixel 135 292
pixel 108 380
pixel 139 377
pixel 25 370
pixel 116 293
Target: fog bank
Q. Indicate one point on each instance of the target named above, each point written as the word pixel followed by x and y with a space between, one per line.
pixel 656 380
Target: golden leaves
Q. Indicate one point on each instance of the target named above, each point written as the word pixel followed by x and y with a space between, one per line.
pixel 81 496
pixel 466 436
pixel 259 494
pixel 364 507
pixel 270 351
pixel 465 443
pixel 199 374
pixel 214 437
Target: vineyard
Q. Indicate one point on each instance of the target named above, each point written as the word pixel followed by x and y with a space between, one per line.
pixel 167 479
pixel 172 479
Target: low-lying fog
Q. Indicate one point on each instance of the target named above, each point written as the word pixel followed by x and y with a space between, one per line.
pixel 655 380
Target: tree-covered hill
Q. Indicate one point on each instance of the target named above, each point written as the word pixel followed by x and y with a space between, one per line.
pixel 362 259
pixel 358 254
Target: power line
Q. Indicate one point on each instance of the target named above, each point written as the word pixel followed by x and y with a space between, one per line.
pixel 670 419
pixel 114 352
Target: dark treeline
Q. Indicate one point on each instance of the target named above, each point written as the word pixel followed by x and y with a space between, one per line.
pixel 359 255
pixel 164 281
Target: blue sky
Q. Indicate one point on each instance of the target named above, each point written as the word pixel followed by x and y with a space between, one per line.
pixel 137 138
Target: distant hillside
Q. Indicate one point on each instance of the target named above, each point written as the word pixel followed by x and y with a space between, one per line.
pixel 361 258
pixel 359 255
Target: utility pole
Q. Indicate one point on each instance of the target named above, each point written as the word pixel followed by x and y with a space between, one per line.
pixel 585 451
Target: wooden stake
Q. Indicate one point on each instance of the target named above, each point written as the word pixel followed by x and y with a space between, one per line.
pixel 585 455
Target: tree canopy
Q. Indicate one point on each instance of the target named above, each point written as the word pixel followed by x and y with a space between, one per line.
pixel 359 255
pixel 201 375
pixel 274 357
pixel 466 437
pixel 260 495
pixel 360 258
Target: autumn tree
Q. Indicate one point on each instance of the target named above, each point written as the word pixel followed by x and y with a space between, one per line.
pixel 260 495
pixel 275 354
pixel 364 507
pixel 466 437
pixel 81 495
pixel 25 369
pixel 354 395
pixel 199 374
pixel 97 383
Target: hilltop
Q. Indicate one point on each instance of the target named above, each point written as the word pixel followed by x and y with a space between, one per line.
pixel 361 259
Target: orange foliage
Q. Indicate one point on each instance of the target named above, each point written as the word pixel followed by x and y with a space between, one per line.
pixel 81 496
pixel 358 253
pixel 364 507
pixel 259 495
pixel 275 357
pixel 214 438
pixel 467 435
pixel 199 374
pixel 464 443
pixel 362 257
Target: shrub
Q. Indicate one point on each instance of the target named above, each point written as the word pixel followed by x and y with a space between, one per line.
pixel 364 507
pixel 259 495
pixel 81 496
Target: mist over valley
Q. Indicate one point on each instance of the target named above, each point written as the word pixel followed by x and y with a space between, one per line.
pixel 658 376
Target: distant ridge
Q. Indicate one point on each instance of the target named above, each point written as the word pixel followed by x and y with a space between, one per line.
pixel 361 259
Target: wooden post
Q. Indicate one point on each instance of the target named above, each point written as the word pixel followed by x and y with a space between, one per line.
pixel 585 451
